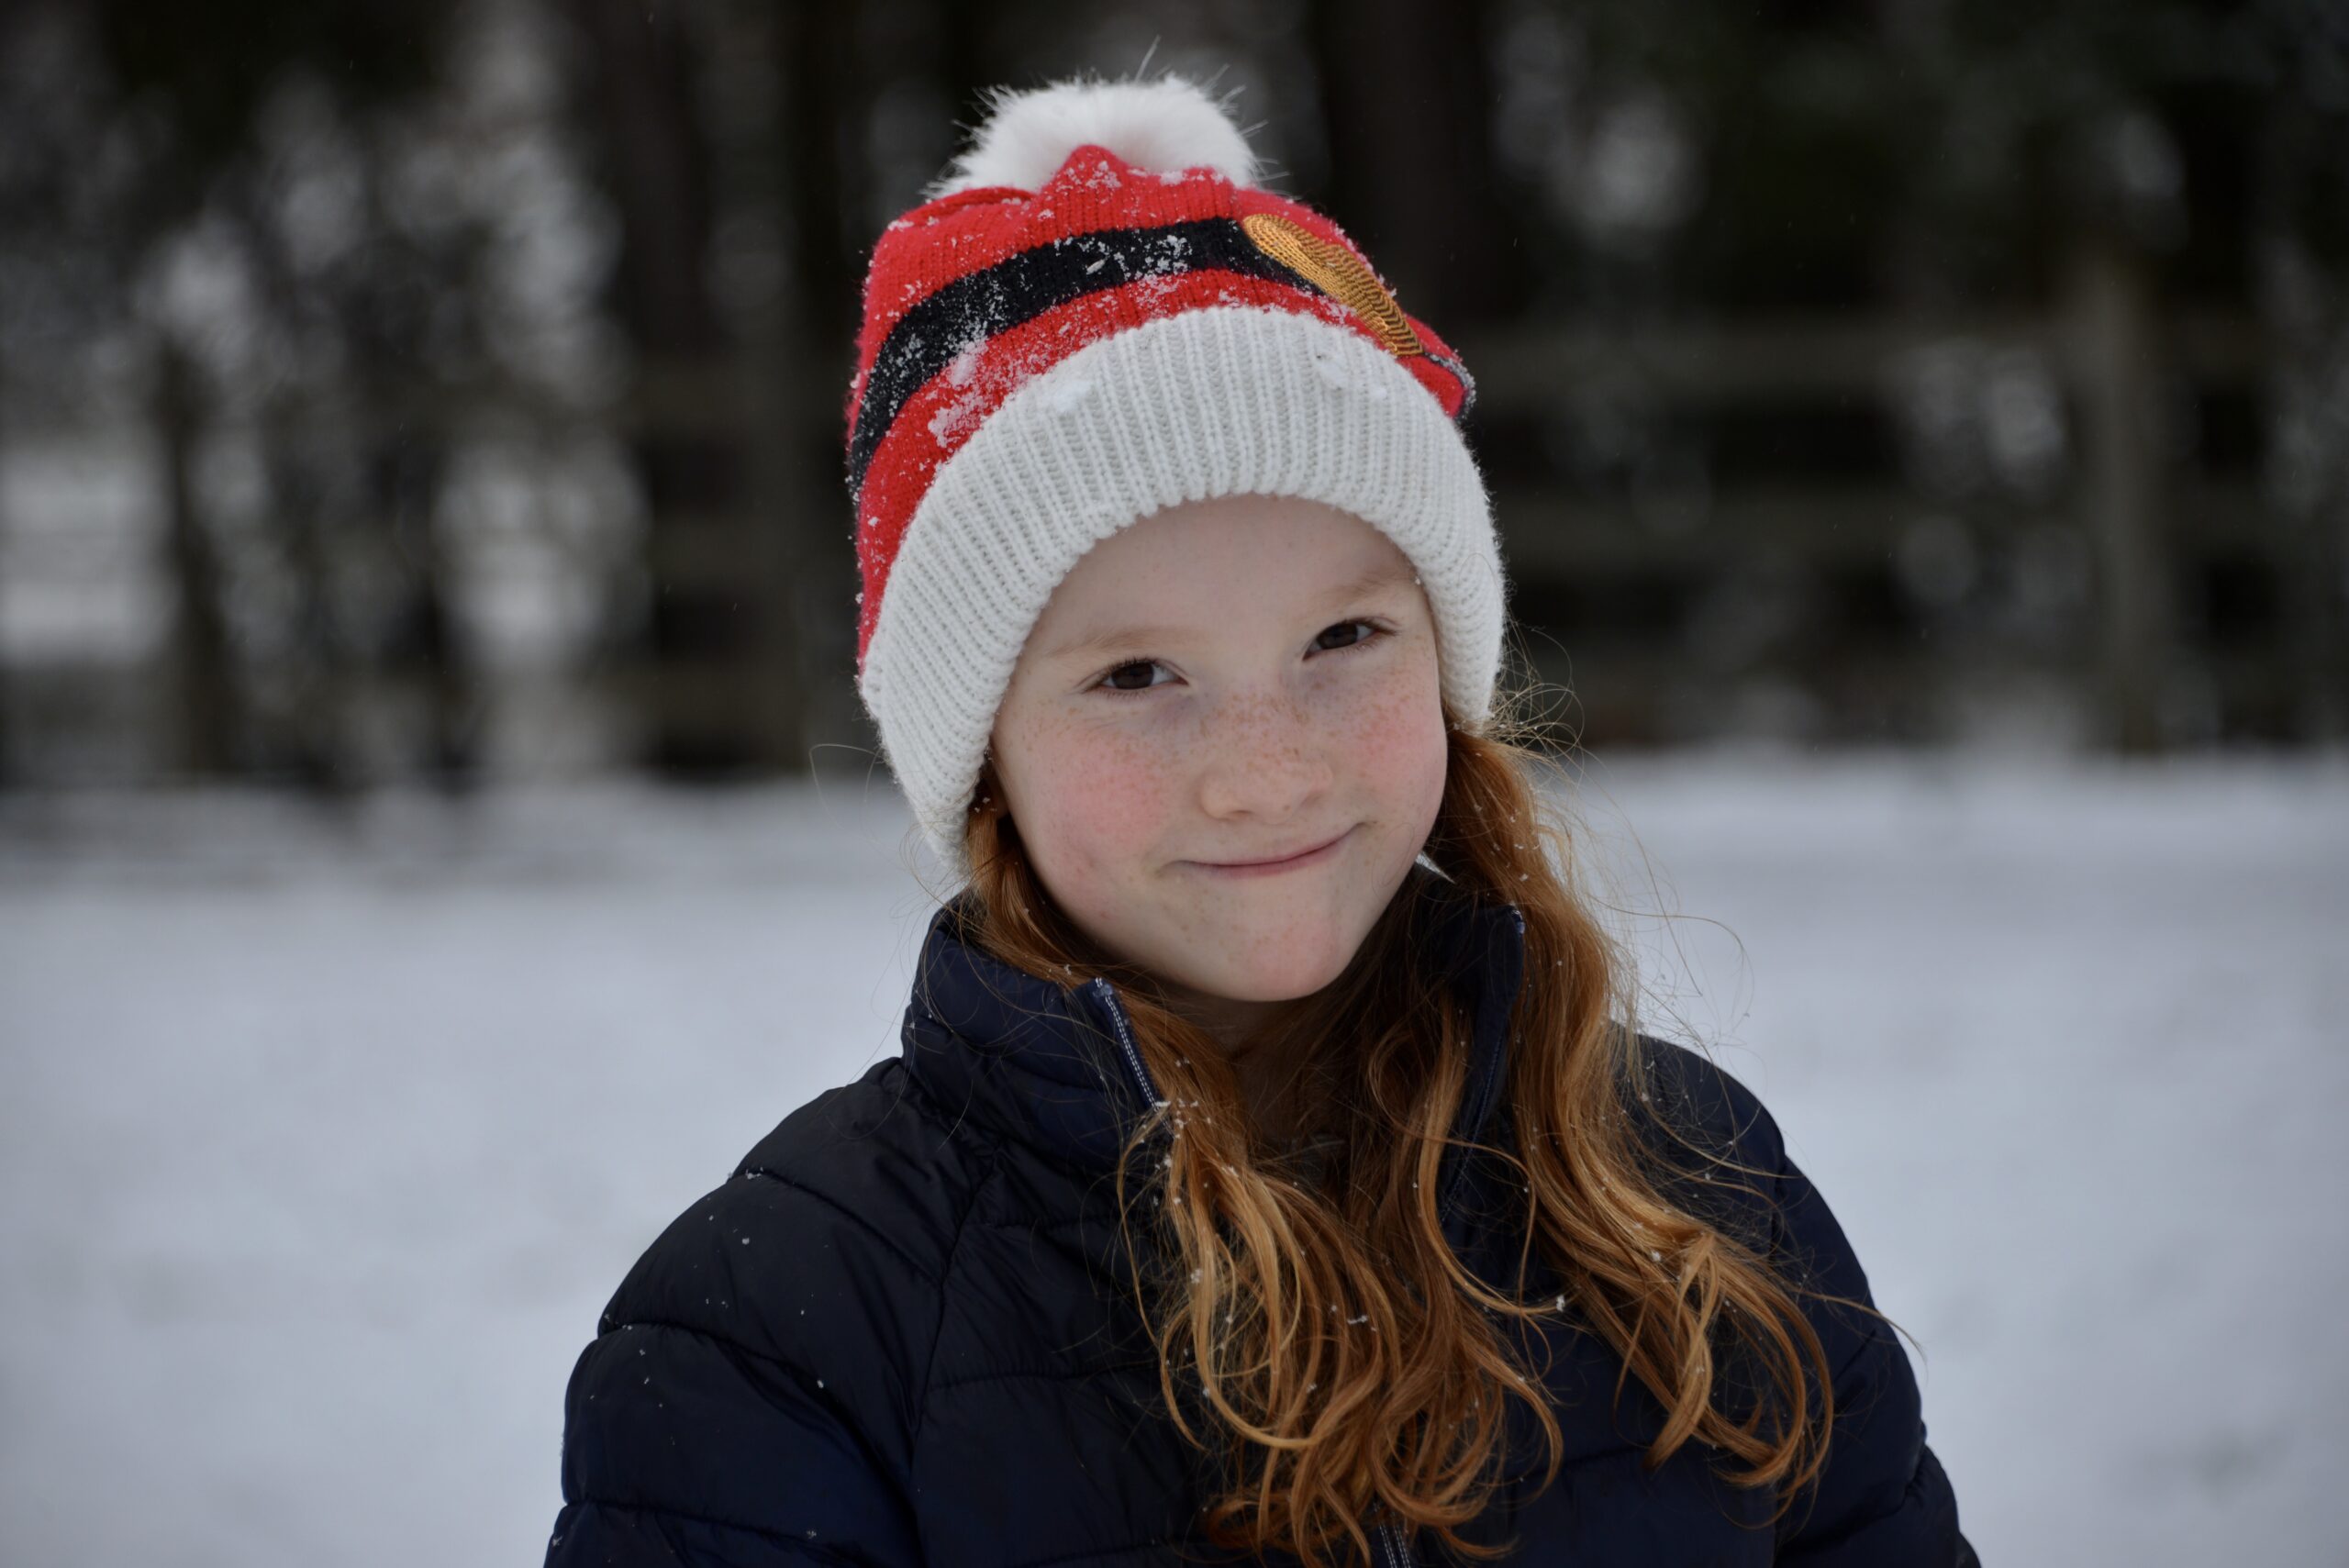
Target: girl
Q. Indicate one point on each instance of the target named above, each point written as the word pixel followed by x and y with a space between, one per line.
pixel 1271 1173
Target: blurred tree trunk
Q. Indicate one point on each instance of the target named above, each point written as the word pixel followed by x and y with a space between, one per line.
pixel 824 97
pixel 201 684
pixel 2113 314
pixel 723 694
pixel 2307 329
pixel 1406 97
pixel 7 681
pixel 312 715
pixel 404 476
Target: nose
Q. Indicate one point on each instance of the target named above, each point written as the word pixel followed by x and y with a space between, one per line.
pixel 1261 757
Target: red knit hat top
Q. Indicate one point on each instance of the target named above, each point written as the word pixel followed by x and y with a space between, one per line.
pixel 1093 215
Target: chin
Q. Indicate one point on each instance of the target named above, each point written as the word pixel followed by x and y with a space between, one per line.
pixel 1295 964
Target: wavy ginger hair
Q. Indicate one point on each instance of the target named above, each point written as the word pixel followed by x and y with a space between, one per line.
pixel 1350 1367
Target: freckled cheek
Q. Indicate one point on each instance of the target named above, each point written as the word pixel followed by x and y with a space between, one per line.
pixel 1394 734
pixel 1106 808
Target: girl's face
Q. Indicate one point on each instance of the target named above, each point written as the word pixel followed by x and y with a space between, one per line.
pixel 1248 679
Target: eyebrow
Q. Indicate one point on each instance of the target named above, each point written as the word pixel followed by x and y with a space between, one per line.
pixel 1388 573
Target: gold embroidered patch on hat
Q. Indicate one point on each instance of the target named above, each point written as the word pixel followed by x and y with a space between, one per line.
pixel 1336 272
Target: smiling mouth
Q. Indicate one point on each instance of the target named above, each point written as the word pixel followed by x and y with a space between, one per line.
pixel 1308 856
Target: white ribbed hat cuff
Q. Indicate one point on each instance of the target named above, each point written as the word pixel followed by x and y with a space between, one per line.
pixel 1222 401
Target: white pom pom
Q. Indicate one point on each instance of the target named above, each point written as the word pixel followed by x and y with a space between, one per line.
pixel 1161 126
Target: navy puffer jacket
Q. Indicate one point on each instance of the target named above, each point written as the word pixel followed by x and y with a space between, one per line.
pixel 901 1333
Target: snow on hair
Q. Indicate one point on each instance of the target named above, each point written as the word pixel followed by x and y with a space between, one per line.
pixel 1162 126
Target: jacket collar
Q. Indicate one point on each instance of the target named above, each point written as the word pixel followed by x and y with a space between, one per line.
pixel 1053 1066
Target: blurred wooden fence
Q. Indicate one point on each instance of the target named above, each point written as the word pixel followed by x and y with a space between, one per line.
pixel 2194 579
pixel 1617 590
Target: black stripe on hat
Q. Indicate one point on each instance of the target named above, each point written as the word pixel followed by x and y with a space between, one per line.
pixel 977 306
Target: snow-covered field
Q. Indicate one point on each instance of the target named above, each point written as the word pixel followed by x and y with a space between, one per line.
pixel 322 1142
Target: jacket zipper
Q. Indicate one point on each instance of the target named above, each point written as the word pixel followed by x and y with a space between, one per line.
pixel 1126 1041
pixel 1398 1554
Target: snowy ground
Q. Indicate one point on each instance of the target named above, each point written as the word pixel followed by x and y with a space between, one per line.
pixel 322 1144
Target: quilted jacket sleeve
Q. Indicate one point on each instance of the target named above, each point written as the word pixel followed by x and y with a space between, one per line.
pixel 739 1405
pixel 1883 1496
pixel 674 1465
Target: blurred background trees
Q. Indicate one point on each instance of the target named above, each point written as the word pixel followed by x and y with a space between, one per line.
pixel 452 390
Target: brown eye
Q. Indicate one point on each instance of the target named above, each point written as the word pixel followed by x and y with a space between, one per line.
pixel 1368 631
pixel 1117 682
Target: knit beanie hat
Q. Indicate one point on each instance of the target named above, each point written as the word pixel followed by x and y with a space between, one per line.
pixel 1098 313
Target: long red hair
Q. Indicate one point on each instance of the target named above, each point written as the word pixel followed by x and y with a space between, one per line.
pixel 1349 1367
